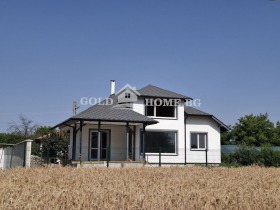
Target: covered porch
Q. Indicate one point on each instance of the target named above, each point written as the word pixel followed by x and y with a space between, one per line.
pixel 99 141
pixel 103 133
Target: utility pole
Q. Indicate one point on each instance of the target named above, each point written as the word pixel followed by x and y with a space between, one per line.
pixel 75 107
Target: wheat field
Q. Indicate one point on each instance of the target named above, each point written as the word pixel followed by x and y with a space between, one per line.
pixel 140 188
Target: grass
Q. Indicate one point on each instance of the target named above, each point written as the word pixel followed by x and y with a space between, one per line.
pixel 140 188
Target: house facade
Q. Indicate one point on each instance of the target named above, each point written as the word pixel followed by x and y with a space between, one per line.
pixel 150 125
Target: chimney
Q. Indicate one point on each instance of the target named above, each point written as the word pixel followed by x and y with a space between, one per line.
pixel 113 87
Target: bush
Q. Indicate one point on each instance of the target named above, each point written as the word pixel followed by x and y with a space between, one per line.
pixel 269 157
pixel 246 155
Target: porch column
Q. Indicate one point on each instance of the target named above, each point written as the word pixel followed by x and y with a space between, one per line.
pixel 133 143
pixel 127 141
pixel 74 142
pixel 143 143
pixel 81 139
pixel 99 141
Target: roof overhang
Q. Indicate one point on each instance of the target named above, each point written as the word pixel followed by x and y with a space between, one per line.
pixel 161 97
pixel 223 126
pixel 69 122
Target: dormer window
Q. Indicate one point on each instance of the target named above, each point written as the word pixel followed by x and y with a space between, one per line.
pixel 127 95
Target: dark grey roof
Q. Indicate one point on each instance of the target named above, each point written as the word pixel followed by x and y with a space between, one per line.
pixel 109 113
pixel 153 91
pixel 190 111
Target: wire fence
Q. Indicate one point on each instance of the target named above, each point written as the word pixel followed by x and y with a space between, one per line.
pixel 249 155
pixel 160 156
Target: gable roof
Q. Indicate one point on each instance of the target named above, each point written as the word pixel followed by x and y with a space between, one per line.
pixel 190 111
pixel 109 113
pixel 153 91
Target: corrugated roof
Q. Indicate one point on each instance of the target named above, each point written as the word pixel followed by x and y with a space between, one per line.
pixel 153 91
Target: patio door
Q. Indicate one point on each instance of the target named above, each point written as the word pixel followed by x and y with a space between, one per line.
pixel 94 146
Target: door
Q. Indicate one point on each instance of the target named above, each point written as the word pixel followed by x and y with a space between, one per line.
pixel 99 151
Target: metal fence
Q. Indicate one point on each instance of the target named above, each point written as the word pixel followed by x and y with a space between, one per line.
pixel 160 157
pixel 15 155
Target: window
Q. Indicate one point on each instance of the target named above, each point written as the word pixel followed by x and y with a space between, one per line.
pixel 198 141
pixel 156 140
pixel 127 95
pixel 161 111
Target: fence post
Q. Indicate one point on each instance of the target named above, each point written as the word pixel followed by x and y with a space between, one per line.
pixel 107 156
pixel 27 153
pixel 230 161
pixel 249 161
pixel 206 154
pixel 159 162
pixel 48 155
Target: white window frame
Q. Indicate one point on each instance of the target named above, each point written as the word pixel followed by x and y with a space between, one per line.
pixel 158 117
pixel 197 139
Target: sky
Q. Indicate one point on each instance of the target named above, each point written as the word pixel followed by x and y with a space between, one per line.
pixel 54 52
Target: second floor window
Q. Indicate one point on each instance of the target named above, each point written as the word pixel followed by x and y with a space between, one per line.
pixel 161 111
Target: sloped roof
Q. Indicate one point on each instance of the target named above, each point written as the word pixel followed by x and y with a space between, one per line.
pixel 190 111
pixel 101 112
pixel 153 91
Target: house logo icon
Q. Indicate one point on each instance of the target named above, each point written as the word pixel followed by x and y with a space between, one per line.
pixel 127 95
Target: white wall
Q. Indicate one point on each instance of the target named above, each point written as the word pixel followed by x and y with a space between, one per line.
pixel 205 125
pixel 193 124
pixel 164 124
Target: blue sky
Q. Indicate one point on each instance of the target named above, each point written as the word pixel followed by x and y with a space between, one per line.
pixel 226 53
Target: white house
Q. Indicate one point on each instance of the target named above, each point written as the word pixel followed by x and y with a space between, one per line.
pixel 155 128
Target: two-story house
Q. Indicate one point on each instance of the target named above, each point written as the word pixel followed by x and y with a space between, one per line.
pixel 149 125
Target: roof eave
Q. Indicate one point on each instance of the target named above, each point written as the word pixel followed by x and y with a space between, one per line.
pixel 64 123
pixel 182 98
pixel 213 117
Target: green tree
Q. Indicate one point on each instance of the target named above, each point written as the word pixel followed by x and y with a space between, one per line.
pixel 227 137
pixel 10 138
pixel 55 144
pixel 277 134
pixel 254 130
pixel 42 131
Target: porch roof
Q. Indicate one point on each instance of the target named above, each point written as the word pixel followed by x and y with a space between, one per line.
pixel 108 113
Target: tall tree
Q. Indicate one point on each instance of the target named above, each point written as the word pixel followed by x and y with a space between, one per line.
pixel 277 134
pixel 25 127
pixel 254 130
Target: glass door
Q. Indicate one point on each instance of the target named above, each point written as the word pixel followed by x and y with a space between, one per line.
pixel 104 143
